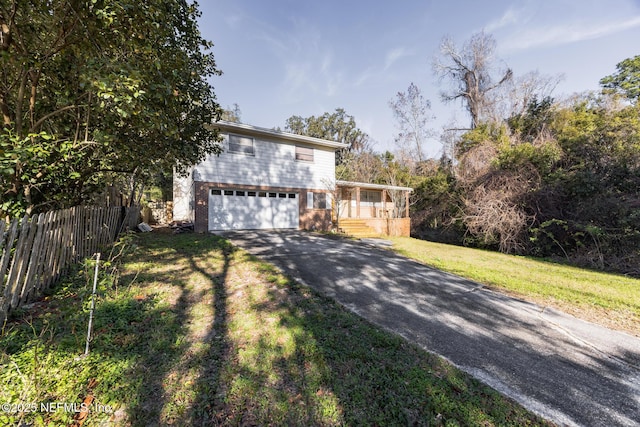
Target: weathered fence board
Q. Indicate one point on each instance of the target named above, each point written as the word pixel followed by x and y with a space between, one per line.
pixel 18 260
pixel 36 251
pixel 29 284
pixel 3 225
pixel 40 277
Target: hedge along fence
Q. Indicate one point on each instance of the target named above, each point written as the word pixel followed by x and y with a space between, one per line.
pixel 36 250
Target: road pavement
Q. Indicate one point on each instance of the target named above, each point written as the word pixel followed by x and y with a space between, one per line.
pixel 567 370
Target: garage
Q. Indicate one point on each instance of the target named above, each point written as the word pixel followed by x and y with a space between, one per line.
pixel 238 209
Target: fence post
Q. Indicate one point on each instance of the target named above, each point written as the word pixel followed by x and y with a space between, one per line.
pixel 93 304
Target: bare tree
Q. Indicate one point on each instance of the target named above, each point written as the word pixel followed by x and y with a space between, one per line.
pixel 397 197
pixel 493 209
pixel 394 174
pixel 411 110
pixel 513 98
pixel 335 193
pixel 494 201
pixel 448 138
pixel 469 70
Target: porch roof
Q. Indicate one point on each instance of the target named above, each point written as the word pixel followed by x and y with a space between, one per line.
pixel 369 186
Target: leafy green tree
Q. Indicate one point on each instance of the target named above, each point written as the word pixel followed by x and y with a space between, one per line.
pixel 91 92
pixel 364 165
pixel 626 80
pixel 337 126
pixel 232 114
pixel 532 123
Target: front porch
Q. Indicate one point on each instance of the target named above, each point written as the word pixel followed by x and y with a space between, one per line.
pixel 366 210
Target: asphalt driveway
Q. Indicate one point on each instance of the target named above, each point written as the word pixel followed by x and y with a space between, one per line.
pixel 569 371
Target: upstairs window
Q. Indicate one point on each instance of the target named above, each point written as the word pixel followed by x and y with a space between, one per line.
pixel 241 144
pixel 304 154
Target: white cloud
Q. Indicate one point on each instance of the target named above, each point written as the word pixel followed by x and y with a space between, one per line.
pixel 512 16
pixel 565 34
pixel 303 59
pixel 232 20
pixel 365 75
pixel 394 55
pixel 376 71
pixel 309 74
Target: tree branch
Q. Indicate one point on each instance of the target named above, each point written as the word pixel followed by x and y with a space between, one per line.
pixel 44 118
pixel 19 101
pixel 4 108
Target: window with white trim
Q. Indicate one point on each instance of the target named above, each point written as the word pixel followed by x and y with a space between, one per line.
pixel 316 200
pixel 304 154
pixel 241 145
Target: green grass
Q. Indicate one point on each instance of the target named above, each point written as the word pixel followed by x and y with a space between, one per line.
pixel 196 332
pixel 610 299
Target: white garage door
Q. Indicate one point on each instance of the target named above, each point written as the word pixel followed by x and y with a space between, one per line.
pixel 231 209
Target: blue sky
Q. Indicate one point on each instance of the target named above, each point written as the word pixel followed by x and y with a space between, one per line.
pixel 294 57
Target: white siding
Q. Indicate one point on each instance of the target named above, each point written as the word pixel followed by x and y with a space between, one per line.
pixel 273 164
pixel 183 198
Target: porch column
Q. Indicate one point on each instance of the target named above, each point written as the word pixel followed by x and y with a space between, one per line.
pixel 406 204
pixel 358 202
pixel 384 203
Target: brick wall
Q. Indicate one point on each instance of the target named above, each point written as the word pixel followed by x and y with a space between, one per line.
pixel 313 219
pixel 201 212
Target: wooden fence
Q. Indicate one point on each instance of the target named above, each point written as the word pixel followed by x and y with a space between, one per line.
pixel 36 250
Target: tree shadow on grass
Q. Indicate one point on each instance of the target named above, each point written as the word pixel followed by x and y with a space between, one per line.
pixel 177 347
pixel 305 360
pixel 349 372
pixel 343 370
pixel 380 379
pixel 158 342
pixel 159 336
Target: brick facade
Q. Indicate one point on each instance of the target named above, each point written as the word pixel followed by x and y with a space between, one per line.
pixel 201 214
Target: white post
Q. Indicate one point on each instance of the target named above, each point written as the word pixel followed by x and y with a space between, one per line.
pixel 93 304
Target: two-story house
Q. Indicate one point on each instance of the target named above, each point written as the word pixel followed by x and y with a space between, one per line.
pixel 267 179
pixel 262 179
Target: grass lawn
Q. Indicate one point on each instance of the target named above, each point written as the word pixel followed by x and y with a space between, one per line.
pixel 609 299
pixel 196 332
